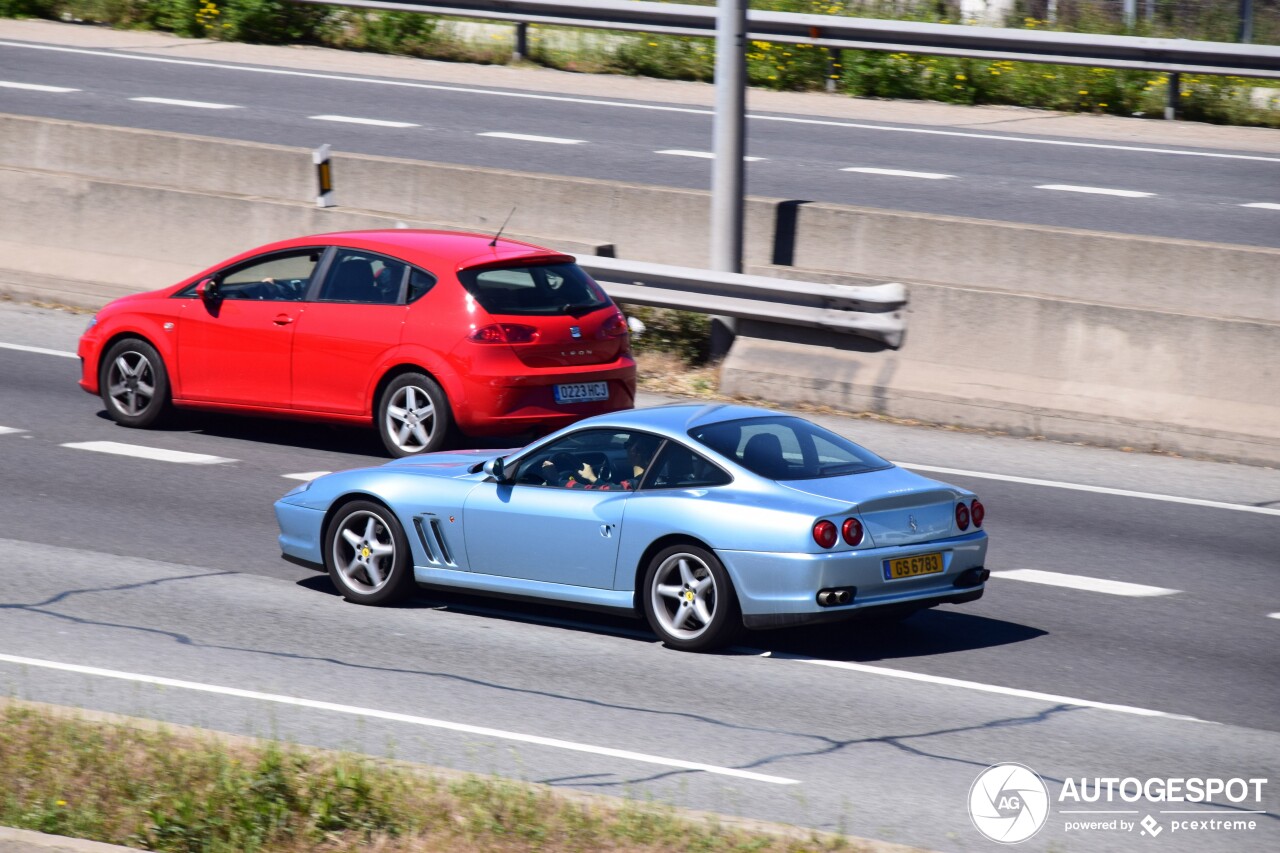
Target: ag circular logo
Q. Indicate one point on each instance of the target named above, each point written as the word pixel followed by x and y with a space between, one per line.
pixel 1008 803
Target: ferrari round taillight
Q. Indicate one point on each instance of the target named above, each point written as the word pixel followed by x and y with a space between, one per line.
pixel 978 511
pixel 962 516
pixel 504 333
pixel 615 327
pixel 851 530
pixel 824 533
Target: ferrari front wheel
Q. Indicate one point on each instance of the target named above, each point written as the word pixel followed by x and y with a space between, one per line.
pixel 689 599
pixel 367 554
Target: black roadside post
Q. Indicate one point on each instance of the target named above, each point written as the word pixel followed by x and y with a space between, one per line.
pixel 324 176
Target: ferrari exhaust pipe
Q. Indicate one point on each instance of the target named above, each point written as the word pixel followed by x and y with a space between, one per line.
pixel 836 597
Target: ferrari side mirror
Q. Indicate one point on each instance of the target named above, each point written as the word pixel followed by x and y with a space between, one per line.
pixel 496 468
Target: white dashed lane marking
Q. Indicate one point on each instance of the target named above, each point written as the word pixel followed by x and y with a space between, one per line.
pixel 373 122
pixel 524 137
pixel 1273 615
pixel 35 87
pixel 173 102
pixel 1069 188
pixel 1265 205
pixel 38 350
pixel 140 452
pixel 4 430
pixel 1101 490
pixel 1052 698
pixel 702 155
pixel 305 476
pixel 898 173
pixel 1110 587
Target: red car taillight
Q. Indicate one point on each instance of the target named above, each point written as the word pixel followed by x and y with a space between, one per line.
pixel 851 530
pixel 962 516
pixel 824 533
pixel 978 511
pixel 504 333
pixel 614 327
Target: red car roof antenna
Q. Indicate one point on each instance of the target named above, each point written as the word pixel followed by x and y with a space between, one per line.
pixel 494 241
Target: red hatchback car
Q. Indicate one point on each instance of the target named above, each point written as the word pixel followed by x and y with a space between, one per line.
pixel 417 332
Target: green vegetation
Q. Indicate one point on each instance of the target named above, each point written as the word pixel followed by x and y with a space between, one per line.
pixel 958 80
pixel 165 791
pixel 683 334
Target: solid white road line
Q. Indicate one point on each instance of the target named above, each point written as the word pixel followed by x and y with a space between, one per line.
pixel 526 137
pixel 989 688
pixel 400 718
pixel 173 102
pixel 140 452
pixel 703 155
pixel 1265 205
pixel 346 78
pixel 1100 490
pixel 1135 590
pixel 373 122
pixel 4 430
pixel 39 350
pixel 898 173
pixel 305 476
pixel 35 87
pixel 1069 188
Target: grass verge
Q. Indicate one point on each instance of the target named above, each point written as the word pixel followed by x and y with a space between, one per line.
pixel 147 786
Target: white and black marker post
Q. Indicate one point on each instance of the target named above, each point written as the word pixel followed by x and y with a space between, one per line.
pixel 324 176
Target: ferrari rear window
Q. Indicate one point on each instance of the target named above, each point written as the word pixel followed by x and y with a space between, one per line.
pixel 780 447
pixel 548 289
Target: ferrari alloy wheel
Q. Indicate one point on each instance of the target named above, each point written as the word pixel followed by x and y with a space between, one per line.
pixel 413 415
pixel 689 599
pixel 367 554
pixel 133 383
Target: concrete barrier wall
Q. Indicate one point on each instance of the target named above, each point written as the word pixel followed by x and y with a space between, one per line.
pixel 1067 334
pixel 1031 365
pixel 1184 276
pixel 668 225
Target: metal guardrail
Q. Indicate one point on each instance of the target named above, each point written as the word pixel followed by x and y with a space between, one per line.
pixel 832 31
pixel 873 311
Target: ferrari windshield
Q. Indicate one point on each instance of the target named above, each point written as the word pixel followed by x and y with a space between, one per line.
pixel 545 289
pixel 781 447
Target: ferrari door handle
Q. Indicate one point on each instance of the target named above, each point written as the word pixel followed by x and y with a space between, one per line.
pixel 282 320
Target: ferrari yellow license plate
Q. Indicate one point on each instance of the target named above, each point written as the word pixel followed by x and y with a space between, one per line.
pixel 910 567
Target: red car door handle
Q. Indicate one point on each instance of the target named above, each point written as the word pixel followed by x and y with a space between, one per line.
pixel 282 320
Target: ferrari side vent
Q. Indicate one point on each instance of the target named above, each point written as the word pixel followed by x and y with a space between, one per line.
pixel 433 541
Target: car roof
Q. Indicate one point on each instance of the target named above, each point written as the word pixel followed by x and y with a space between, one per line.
pixel 431 248
pixel 676 419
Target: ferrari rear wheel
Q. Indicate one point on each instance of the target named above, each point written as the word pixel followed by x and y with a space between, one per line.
pixel 367 554
pixel 414 415
pixel 134 384
pixel 689 599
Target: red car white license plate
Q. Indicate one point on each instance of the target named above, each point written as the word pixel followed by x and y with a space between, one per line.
pixel 582 392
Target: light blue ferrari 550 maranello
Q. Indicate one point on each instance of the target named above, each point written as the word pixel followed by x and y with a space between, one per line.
pixel 705 518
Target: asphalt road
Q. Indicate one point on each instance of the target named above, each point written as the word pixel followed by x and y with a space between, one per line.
pixel 123 572
pixel 1139 179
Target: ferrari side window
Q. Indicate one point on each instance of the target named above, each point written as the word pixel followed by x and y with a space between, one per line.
pixel 596 459
pixel 678 467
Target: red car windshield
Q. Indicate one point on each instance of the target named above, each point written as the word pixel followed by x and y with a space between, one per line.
pixel 534 290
